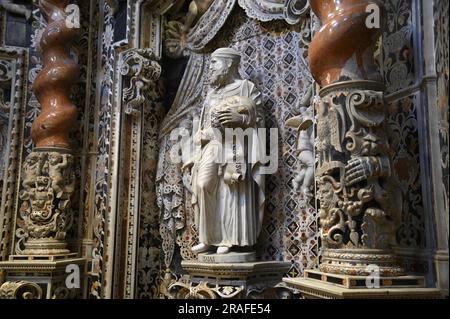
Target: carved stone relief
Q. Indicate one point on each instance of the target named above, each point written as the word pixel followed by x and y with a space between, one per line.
pixel 398 66
pixel 5 106
pixel 442 70
pixel 20 290
pixel 48 185
pixel 139 72
pixel 266 10
pixel 360 200
pixel 143 71
pixel 202 290
pixel 359 195
pixel 303 123
pixel 13 70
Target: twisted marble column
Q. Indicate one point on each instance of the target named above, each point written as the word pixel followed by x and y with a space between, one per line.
pixel 360 203
pixel 48 181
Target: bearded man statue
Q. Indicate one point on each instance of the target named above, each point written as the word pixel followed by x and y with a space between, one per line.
pixel 227 184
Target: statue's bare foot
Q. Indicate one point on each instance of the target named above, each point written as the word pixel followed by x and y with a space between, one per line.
pixel 223 250
pixel 200 248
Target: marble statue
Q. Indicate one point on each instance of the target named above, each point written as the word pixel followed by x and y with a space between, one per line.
pixel 303 123
pixel 228 197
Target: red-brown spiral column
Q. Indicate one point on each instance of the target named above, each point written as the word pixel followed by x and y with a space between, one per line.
pixel 53 84
pixel 344 47
pixel 49 179
pixel 360 202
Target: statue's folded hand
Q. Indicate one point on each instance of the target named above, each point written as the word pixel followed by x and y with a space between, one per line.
pixel 231 119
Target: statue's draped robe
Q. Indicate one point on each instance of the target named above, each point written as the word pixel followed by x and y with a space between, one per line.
pixel 229 214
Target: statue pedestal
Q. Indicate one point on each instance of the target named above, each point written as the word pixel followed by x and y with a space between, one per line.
pixel 232 257
pixel 232 280
pixel 320 285
pixel 59 276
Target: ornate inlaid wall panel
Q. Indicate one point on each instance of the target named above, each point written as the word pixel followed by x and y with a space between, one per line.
pixel 120 213
pixel 13 84
pixel 442 71
pixel 404 133
pixel 398 62
pixel 401 71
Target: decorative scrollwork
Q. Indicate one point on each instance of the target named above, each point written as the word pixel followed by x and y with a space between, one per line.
pixel 141 69
pixel 5 83
pixel 20 290
pixel 266 10
pixel 182 290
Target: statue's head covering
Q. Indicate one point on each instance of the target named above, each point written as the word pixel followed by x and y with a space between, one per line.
pixel 228 53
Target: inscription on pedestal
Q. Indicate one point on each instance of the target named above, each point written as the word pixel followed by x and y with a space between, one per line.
pixel 207 259
pixel 227 258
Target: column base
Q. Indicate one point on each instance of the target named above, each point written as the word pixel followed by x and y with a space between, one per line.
pixel 45 246
pixel 320 285
pixel 50 272
pixel 359 262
